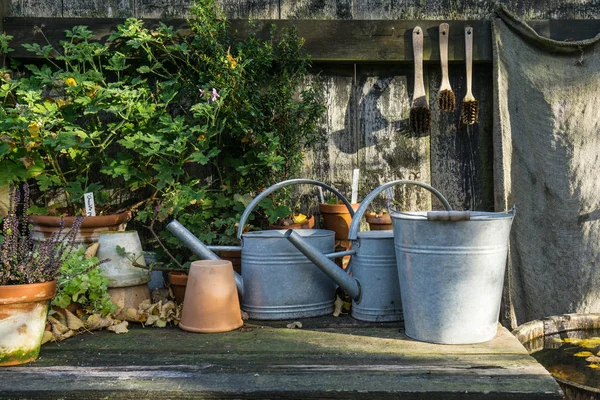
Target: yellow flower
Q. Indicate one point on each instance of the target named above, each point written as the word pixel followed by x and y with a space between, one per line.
pixel 34 129
pixel 245 139
pixel 60 102
pixel 201 138
pixel 232 61
pixel 30 145
pixel 71 82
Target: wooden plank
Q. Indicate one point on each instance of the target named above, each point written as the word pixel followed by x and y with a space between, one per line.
pixel 461 155
pixel 316 9
pixel 163 9
pixel 261 361
pixel 97 8
pixel 331 41
pixel 34 8
pixel 388 149
pixel 327 41
pixel 253 9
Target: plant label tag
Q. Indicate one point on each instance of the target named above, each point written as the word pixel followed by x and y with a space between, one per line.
pixel 355 175
pixel 90 208
pixel 390 197
pixel 321 194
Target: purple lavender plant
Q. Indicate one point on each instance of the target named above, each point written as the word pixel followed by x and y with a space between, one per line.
pixel 23 259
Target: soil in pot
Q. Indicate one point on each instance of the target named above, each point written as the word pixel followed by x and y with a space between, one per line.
pixel 178 283
pixel 23 310
pixel 292 223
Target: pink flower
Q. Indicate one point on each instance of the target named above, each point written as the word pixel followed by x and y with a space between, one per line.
pixel 201 92
pixel 215 95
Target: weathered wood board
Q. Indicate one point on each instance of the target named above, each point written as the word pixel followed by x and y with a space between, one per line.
pixel 336 359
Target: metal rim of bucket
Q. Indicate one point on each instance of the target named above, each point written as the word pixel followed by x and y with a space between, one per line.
pixel 279 233
pixel 271 189
pixel 474 215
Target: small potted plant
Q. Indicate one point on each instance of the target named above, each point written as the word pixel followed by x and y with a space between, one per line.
pixel 379 221
pixel 28 270
pixel 336 217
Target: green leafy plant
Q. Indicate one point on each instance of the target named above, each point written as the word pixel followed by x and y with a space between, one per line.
pixel 167 124
pixel 81 282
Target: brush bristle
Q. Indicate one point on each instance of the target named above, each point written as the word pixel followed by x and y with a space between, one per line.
pixel 420 120
pixel 470 112
pixel 447 100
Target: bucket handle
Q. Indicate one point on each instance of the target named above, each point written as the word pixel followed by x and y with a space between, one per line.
pixel 279 185
pixel 355 225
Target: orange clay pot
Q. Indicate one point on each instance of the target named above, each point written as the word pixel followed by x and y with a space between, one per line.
pixel 383 222
pixel 178 282
pixel 23 310
pixel 337 218
pixel 211 299
pixel 45 225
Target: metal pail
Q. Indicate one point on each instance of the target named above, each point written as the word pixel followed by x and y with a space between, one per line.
pixel 451 270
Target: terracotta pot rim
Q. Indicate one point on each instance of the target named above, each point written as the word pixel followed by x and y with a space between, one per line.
pixel 27 293
pixel 325 208
pixel 379 220
pixel 178 278
pixel 89 222
pixel 210 263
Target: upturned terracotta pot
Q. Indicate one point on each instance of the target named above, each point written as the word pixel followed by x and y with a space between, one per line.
pixel 337 218
pixel 43 226
pixel 379 222
pixel 178 282
pixel 211 302
pixel 308 224
pixel 23 310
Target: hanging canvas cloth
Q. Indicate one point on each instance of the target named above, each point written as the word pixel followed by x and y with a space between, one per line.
pixel 547 163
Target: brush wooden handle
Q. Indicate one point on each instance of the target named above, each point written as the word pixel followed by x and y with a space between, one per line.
pixel 417 39
pixel 469 60
pixel 444 33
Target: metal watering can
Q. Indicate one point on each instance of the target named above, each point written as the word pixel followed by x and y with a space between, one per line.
pixel 277 281
pixel 373 286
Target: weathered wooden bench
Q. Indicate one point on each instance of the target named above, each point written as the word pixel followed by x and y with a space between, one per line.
pixel 328 358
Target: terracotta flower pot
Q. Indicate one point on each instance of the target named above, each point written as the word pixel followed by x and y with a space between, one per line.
pixel 379 222
pixel 45 225
pixel 337 218
pixel 23 310
pixel 308 224
pixel 178 283
pixel 211 299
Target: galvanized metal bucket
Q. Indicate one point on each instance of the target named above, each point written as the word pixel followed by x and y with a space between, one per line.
pixel 451 268
pixel 374 264
pixel 277 281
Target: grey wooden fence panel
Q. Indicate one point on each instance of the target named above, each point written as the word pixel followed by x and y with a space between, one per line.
pixel 254 9
pixel 316 9
pixel 97 8
pixel 158 8
pixel 34 8
pixel 388 149
pixel 461 155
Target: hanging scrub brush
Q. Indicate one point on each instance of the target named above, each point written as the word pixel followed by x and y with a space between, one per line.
pixel 420 114
pixel 470 106
pixel 446 98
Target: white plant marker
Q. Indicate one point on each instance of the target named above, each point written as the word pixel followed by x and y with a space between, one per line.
pixel 355 175
pixel 321 194
pixel 90 207
pixel 390 196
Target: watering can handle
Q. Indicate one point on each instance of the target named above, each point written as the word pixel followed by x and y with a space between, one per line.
pixel 355 226
pixel 279 185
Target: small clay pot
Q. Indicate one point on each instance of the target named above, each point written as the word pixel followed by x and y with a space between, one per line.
pixel 336 217
pixel 129 296
pixel 379 222
pixel 23 310
pixel 211 299
pixel 308 224
pixel 178 282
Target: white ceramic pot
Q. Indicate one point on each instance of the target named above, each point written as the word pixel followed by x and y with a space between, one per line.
pixel 120 270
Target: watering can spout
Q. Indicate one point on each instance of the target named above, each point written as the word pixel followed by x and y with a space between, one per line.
pixel 331 269
pixel 198 248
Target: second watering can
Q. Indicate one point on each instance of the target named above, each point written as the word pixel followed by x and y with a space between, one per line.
pixel 277 281
pixel 373 286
